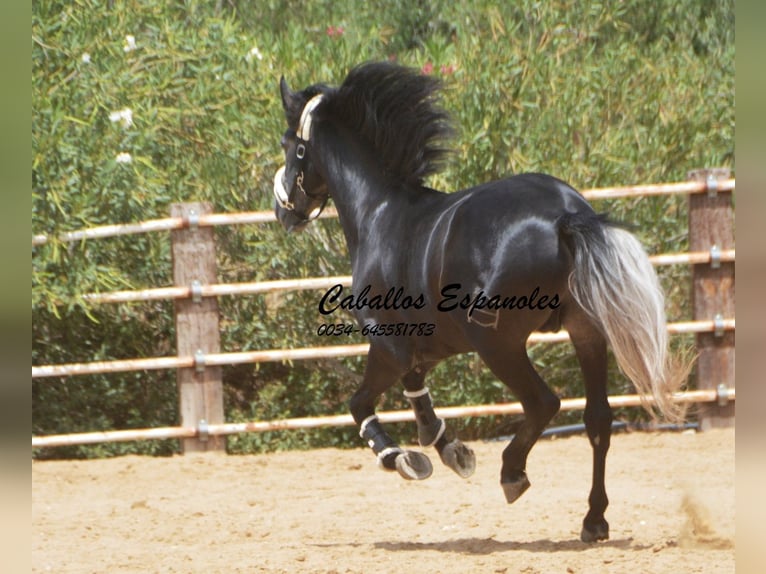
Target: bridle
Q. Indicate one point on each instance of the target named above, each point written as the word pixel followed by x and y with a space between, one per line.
pixel 285 199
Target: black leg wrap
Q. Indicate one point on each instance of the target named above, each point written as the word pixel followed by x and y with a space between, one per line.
pixel 430 427
pixel 380 442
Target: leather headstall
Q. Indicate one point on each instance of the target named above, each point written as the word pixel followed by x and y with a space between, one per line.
pixel 304 135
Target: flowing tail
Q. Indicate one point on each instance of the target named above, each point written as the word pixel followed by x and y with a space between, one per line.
pixel 614 281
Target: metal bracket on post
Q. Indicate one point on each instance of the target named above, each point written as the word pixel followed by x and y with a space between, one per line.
pixel 196 291
pixel 723 395
pixel 715 257
pixel 193 220
pixel 712 185
pixel 199 361
pixel 718 325
pixel 203 431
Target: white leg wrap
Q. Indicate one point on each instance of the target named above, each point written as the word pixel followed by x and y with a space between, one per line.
pixel 385 452
pixel 416 394
pixel 442 430
pixel 428 434
pixel 365 422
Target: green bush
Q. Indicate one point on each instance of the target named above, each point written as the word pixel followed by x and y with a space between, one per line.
pixel 598 94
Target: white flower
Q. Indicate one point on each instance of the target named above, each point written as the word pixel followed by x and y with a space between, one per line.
pixel 123 157
pixel 130 43
pixel 254 53
pixel 85 58
pixel 125 116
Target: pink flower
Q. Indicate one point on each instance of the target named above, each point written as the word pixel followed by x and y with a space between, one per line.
pixel 334 31
pixel 427 68
pixel 448 70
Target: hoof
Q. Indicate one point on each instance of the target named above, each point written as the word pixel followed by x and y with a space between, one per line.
pixel 414 465
pixel 595 532
pixel 516 488
pixel 459 458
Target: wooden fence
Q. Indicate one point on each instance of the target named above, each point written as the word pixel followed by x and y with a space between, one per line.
pixel 199 357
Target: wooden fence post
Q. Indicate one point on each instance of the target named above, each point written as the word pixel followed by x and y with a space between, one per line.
pixel 711 227
pixel 200 391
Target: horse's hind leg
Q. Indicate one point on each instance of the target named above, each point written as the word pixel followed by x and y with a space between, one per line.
pixel 590 348
pixel 380 374
pixel 432 431
pixel 512 366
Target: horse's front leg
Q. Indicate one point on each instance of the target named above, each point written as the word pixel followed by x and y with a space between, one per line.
pixel 432 431
pixel 380 374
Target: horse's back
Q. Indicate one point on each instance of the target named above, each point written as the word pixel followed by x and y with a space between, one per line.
pixel 535 195
pixel 509 227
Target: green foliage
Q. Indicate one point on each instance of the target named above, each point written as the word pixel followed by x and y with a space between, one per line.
pixel 598 94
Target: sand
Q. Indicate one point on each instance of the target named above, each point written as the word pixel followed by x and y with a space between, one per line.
pixel 332 511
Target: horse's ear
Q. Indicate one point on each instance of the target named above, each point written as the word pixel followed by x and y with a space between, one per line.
pixel 288 97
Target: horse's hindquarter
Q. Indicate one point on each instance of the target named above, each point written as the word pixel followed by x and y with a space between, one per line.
pixel 501 242
pixel 505 234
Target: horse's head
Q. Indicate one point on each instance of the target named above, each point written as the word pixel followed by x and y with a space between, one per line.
pixel 300 192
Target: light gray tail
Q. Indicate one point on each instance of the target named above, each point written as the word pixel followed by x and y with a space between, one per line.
pixel 615 283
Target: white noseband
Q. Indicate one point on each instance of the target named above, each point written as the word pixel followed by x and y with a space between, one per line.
pixel 280 193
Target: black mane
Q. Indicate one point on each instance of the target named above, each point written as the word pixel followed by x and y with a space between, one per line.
pixel 396 110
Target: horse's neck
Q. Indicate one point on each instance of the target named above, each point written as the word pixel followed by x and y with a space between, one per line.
pixel 356 183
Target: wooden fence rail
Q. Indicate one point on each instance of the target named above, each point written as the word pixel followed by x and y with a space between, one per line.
pixel 261 287
pixel 204 431
pixel 253 217
pixel 199 360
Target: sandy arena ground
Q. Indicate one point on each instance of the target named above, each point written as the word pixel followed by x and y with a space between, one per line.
pixel 333 511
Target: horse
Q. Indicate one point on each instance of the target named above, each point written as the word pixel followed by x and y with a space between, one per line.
pixel 437 274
